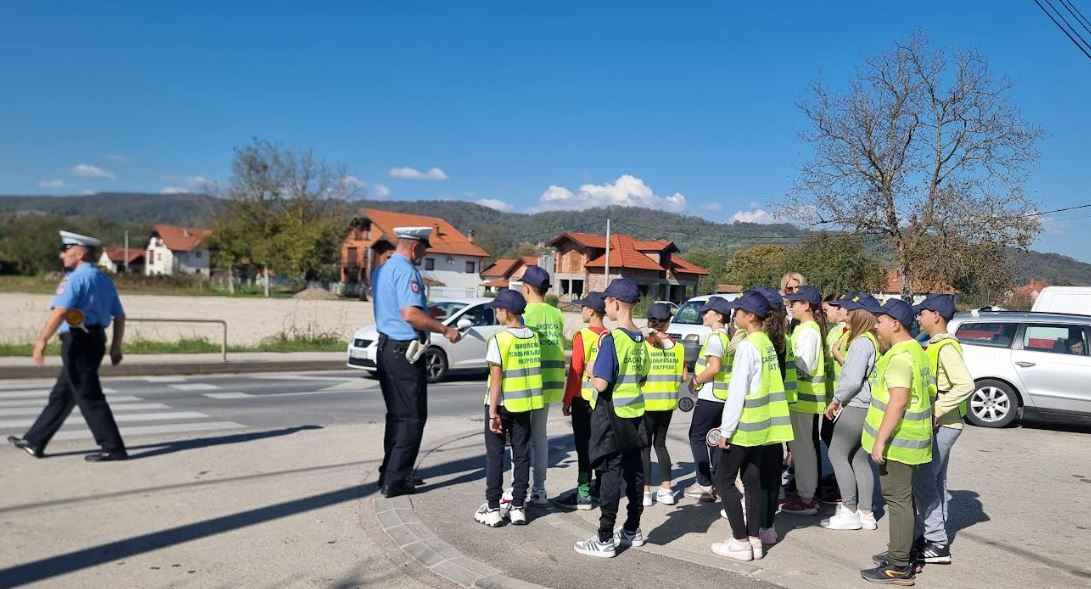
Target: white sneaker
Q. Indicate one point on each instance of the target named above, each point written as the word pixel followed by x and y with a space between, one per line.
pixel 700 493
pixel 505 503
pixel 735 549
pixel 648 499
pixel 867 521
pixel 624 538
pixel 843 519
pixel 593 547
pixel 584 503
pixel 757 548
pixel 518 516
pixel 539 497
pixel 487 516
pixel 768 536
pixel 665 496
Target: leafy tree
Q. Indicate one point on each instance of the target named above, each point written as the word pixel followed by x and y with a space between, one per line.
pixel 926 151
pixel 759 265
pixel 31 243
pixel 713 260
pixel 836 263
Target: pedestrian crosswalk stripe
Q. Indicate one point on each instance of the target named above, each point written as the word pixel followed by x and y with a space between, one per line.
pixel 147 430
pixel 236 395
pixel 115 407
pixel 41 401
pixel 195 386
pixel 164 379
pixel 34 393
pixel 120 418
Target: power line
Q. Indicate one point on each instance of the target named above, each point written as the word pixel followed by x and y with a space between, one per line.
pixel 1064 30
pixel 1072 208
pixel 1076 13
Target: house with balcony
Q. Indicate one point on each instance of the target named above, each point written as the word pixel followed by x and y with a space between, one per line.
pixel 656 265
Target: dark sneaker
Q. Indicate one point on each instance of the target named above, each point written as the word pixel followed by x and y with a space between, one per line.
pixel 889 574
pixel 883 559
pixel 933 553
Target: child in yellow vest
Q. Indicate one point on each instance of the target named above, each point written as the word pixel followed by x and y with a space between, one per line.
pixel 578 390
pixel 710 378
pixel 617 426
pixel 954 387
pixel 898 434
pixel 755 418
pixel 514 393
pixel 668 372
pixel 547 322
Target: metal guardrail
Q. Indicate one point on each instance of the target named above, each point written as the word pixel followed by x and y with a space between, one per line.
pixel 223 343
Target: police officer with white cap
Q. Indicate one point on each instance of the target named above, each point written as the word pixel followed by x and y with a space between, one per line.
pixel 400 317
pixel 85 303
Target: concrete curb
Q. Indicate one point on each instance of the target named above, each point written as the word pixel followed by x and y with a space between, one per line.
pixel 190 368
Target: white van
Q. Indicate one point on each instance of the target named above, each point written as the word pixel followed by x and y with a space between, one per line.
pixel 686 325
pixel 1063 299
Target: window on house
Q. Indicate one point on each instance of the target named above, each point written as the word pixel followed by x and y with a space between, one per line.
pixel 450 261
pixel 197 254
pixel 158 256
pixel 353 257
pixel 470 267
pixel 429 264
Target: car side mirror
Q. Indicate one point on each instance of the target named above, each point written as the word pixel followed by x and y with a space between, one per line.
pixel 464 324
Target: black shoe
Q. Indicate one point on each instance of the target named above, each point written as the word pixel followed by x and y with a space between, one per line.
pixel 398 490
pixel 25 445
pixel 889 574
pixel 933 553
pixel 101 456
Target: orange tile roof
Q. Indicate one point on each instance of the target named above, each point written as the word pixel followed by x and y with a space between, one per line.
pixel 445 238
pixel 117 254
pixel 728 288
pixel 681 265
pixel 530 260
pixel 623 254
pixel 498 283
pixel 1030 289
pixel 599 241
pixel 180 239
pixel 501 267
pixel 894 282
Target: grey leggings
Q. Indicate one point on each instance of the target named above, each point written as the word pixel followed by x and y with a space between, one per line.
pixel 851 463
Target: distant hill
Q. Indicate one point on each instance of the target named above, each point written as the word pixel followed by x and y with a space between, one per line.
pixel 500 232
pixel 121 207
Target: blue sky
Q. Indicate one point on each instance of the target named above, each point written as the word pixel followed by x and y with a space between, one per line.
pixel 682 105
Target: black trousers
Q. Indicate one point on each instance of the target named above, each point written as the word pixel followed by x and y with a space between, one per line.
pixel 615 468
pixel 405 392
pixel 657 423
pixel 771 467
pixel 78 384
pixel 581 433
pixel 745 461
pixel 517 427
pixel 706 415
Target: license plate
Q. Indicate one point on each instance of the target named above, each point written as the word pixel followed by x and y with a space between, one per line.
pixel 359 354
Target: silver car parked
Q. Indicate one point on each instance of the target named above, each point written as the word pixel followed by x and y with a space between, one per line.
pixel 1025 364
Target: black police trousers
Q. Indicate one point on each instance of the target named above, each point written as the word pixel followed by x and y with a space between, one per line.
pixel 405 392
pixel 78 384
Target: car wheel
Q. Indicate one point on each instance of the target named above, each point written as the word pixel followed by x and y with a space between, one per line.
pixel 435 365
pixel 993 404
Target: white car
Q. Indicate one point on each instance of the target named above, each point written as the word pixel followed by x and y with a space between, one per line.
pixel 686 325
pixel 1025 365
pixel 472 317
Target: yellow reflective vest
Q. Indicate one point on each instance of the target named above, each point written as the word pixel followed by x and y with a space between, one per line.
pixel 664 377
pixel 521 372
pixel 911 440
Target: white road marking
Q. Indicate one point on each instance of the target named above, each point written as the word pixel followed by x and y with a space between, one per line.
pixel 24 384
pixel 35 393
pixel 40 402
pixel 303 377
pixel 146 430
pixel 116 407
pixel 120 418
pixel 353 385
pixel 164 379
pixel 195 386
pixel 235 395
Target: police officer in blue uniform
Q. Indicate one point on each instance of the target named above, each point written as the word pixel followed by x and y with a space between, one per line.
pixel 400 317
pixel 86 302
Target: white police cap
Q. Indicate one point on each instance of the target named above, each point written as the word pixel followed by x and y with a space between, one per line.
pixel 69 238
pixel 417 233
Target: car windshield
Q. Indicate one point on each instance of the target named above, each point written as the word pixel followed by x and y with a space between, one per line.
pixel 687 314
pixel 441 311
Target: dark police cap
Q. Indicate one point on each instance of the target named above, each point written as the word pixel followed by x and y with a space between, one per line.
pixel 624 290
pixel 944 304
pixel 659 312
pixel 509 300
pixel 536 276
pixel 807 293
pixel 594 301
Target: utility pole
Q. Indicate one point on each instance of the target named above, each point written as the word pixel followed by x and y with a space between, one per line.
pixel 607 276
pixel 126 251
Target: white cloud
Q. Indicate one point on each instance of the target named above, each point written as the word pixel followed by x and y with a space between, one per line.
pixel 51 184
pixel 121 159
pixel 496 204
pixel 407 173
pixel 174 190
pixel 627 190
pixel 353 182
pixel 196 181
pixel 89 171
pixel 380 192
pixel 754 215
pixel 711 207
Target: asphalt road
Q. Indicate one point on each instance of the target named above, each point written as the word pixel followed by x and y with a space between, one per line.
pixel 157 406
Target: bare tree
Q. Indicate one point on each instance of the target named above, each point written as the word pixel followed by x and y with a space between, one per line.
pixel 924 150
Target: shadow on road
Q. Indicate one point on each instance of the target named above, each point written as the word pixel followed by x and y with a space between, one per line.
pixel 160 448
pixel 964 510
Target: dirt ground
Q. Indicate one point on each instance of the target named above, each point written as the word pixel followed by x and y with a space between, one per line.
pixel 249 320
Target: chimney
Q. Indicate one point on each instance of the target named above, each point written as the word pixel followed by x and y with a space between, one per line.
pixel 185 231
pixel 470 235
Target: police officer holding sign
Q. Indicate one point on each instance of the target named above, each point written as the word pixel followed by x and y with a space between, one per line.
pixel 403 326
pixel 85 303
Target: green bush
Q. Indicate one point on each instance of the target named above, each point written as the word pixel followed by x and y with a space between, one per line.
pixel 553 300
